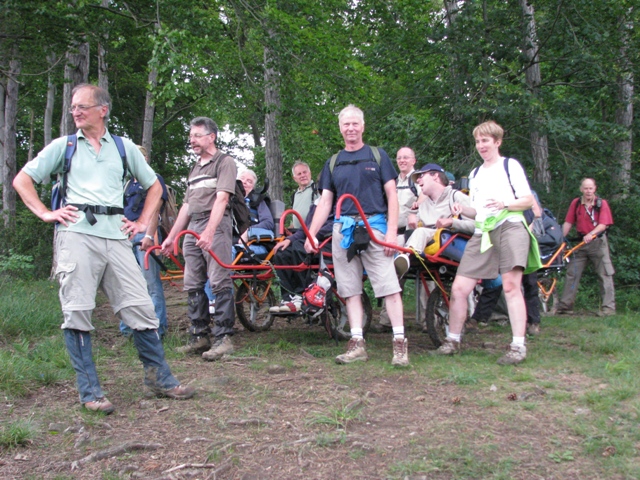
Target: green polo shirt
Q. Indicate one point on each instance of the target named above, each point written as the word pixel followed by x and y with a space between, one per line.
pixel 94 179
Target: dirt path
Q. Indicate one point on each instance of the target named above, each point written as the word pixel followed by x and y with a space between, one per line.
pixel 289 412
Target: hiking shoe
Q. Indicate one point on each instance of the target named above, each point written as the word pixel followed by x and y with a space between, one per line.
pixel 292 306
pixel 533 329
pixel 355 352
pixel 401 263
pixel 181 392
pixel 101 405
pixel 515 355
pixel 222 346
pixel 448 347
pixel 564 311
pixel 196 345
pixel 400 352
pixel 606 312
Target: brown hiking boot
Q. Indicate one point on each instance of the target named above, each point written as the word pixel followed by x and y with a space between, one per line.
pixel 222 346
pixel 196 345
pixel 101 405
pixel 533 329
pixel 355 352
pixel 181 392
pixel 400 352
pixel 448 347
pixel 515 355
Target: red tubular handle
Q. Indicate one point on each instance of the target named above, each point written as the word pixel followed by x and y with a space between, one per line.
pixel 158 247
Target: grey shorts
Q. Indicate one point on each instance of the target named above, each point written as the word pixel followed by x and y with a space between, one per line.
pixel 86 262
pixel 378 266
pixel 510 249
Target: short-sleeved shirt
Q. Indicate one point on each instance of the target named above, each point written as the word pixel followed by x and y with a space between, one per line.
pixel 359 174
pixel 493 183
pixel 94 179
pixel 579 215
pixel 135 196
pixel 207 178
pixel 302 201
pixel 406 199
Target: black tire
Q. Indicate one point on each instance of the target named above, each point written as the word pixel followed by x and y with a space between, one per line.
pixel 254 314
pixel 336 317
pixel 437 317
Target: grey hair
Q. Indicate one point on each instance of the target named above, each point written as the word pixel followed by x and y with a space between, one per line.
pixel 298 163
pixel 250 172
pixel 351 109
pixel 100 96
pixel 207 123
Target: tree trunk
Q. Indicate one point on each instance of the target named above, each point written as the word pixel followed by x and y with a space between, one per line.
pixel 103 75
pixel 539 142
pixel 3 93
pixel 273 154
pixel 149 112
pixel 51 98
pixel 9 164
pixel 624 115
pixel 76 71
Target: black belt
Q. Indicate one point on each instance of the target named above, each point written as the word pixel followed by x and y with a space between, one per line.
pixel 200 215
pixel 91 210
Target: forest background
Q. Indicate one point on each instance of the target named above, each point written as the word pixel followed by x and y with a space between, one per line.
pixel 557 74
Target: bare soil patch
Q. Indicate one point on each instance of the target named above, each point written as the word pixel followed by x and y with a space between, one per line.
pixel 292 413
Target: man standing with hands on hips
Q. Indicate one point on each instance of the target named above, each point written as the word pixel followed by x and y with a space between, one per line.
pixel 92 246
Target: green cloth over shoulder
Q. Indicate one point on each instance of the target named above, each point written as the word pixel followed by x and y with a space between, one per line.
pixel 533 259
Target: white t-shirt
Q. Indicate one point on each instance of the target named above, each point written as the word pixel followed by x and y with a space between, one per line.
pixel 493 183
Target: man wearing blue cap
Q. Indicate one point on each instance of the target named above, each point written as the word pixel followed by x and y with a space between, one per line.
pixel 434 212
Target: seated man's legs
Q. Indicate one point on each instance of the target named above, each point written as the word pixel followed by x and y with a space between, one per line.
pixel 292 282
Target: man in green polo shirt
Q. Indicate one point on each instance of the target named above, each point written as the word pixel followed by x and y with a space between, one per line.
pixel 95 255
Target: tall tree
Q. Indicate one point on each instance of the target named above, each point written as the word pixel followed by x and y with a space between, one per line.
pixel 539 141
pixel 76 71
pixel 9 164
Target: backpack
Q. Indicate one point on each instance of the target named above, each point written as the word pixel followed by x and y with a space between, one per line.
pixel 314 193
pixel 168 213
pixel 334 158
pixel 59 190
pixel 240 214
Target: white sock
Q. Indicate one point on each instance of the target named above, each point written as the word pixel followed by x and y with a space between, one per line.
pixel 356 333
pixel 398 333
pixel 518 341
pixel 455 336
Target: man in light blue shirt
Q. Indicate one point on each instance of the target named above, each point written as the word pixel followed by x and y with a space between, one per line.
pixel 98 253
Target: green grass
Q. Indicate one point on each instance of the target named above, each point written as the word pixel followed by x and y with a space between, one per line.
pixel 17 433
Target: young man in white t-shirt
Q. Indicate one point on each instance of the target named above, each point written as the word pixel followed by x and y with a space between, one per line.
pixel 499 193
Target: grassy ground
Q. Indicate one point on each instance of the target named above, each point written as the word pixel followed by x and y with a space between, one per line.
pixel 280 407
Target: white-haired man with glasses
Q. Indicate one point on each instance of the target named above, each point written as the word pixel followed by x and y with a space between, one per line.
pixel 92 246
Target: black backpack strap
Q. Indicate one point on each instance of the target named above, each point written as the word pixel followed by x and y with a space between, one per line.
pixel 72 143
pixel 123 155
pixel 506 169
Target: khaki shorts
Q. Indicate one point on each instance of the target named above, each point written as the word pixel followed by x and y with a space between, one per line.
pixel 378 266
pixel 86 262
pixel 510 250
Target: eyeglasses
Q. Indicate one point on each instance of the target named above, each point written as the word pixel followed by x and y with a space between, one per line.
pixel 198 135
pixel 82 108
pixel 433 173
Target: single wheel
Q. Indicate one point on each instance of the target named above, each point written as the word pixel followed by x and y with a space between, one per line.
pixel 252 305
pixel 336 320
pixel 437 317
